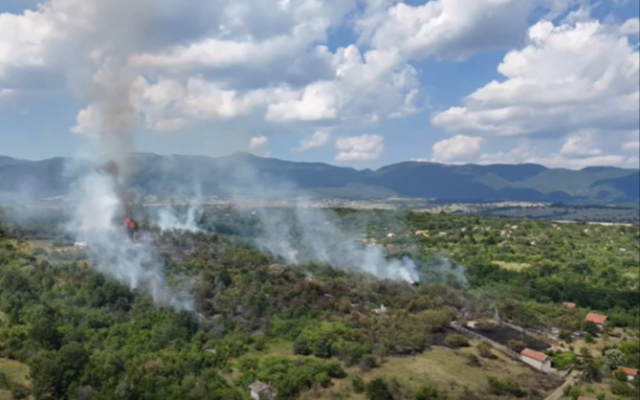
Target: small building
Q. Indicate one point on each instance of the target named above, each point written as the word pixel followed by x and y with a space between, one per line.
pixel 569 305
pixel 380 311
pixel 598 319
pixel 629 372
pixel 260 391
pixel 585 398
pixel 536 359
pixel 80 245
pixel 391 235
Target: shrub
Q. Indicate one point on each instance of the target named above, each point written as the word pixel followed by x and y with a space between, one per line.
pixel 456 341
pixel 566 336
pixel 588 338
pixel 484 348
pixel 473 360
pixel 358 385
pixel 430 393
pixel 621 389
pixel 516 345
pixel 505 387
pixel 377 389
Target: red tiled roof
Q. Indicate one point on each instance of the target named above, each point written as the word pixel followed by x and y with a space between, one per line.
pixel 533 354
pixel 585 398
pixel 596 318
pixel 628 371
pixel 569 304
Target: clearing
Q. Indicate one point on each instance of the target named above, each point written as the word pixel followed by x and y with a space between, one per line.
pixel 511 266
pixel 441 366
pixel 16 372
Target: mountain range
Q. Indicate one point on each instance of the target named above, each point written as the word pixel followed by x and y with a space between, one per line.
pixel 242 173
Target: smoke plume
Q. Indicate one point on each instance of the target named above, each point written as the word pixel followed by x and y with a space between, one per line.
pixel 303 233
pixel 106 34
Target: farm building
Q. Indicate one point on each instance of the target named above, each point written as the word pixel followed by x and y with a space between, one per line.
pixel 569 305
pixel 536 359
pixel 260 391
pixel 597 319
pixel 629 372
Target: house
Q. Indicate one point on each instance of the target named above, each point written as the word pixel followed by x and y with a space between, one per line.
pixel 80 245
pixel 260 391
pixel 629 372
pixel 585 398
pixel 569 305
pixel 536 359
pixel 391 235
pixel 597 319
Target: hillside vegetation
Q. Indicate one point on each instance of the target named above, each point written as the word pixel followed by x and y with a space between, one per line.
pixel 312 331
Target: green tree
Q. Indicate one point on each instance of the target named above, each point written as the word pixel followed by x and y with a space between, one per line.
pixel 377 389
pixel 430 393
pixel 613 358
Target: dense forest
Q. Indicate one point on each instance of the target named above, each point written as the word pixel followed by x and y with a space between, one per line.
pixel 312 330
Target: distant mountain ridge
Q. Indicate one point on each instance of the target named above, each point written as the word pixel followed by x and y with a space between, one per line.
pixel 166 175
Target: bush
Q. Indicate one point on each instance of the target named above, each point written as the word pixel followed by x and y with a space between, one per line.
pixel 456 341
pixel 484 348
pixel 430 393
pixel 566 336
pixel 505 387
pixel 378 389
pixel 18 392
pixel 516 345
pixel 572 392
pixel 588 338
pixel 621 389
pixel 620 376
pixel 368 362
pixel 358 385
pixel 473 360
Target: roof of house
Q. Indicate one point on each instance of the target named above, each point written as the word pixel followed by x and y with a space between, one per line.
pixel 258 387
pixel 534 355
pixel 585 398
pixel 596 318
pixel 628 371
pixel 569 304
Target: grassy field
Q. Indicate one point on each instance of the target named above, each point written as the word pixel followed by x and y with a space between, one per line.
pixel 440 366
pixel 16 372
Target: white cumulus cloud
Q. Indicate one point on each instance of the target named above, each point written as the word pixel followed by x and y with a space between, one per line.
pixel 567 78
pixel 319 138
pixel 257 142
pixel 359 148
pixel 457 148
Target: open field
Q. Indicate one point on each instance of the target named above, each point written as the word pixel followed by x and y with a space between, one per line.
pixel 440 366
pixel 15 372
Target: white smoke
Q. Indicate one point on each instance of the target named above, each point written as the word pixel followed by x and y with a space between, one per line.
pixel 100 37
pixel 133 263
pixel 169 220
pixel 307 233
pixel 315 235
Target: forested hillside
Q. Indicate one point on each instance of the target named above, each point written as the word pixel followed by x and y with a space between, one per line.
pixel 313 331
pixel 239 173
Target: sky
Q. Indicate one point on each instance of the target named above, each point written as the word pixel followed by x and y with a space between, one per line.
pixel 347 82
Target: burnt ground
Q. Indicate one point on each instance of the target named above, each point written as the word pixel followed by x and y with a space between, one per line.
pixel 503 334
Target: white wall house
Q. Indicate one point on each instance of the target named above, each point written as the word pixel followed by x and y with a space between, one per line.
pixel 536 359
